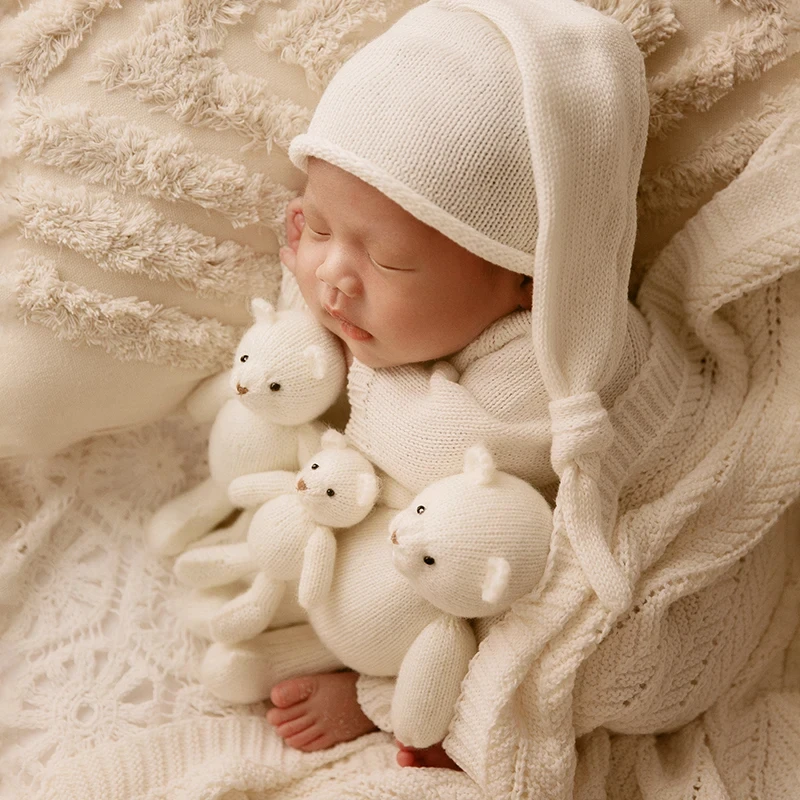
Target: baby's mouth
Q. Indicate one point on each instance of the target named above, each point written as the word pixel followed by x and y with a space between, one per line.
pixel 348 328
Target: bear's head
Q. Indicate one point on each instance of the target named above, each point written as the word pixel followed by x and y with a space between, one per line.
pixel 287 366
pixel 338 486
pixel 471 544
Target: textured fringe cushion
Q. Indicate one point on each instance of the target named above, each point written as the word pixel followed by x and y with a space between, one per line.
pixel 151 177
pixel 146 201
pixel 722 76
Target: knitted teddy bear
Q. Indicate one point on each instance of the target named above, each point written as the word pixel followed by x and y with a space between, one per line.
pixel 287 370
pixel 470 545
pixel 467 546
pixel 291 536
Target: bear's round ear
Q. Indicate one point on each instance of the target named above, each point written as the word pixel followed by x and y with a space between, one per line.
pixel 367 489
pixel 262 310
pixel 333 440
pixel 444 371
pixel 315 359
pixel 479 465
pixel 495 579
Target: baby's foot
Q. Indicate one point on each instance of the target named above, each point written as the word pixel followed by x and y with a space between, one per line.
pixel 318 711
pixel 434 756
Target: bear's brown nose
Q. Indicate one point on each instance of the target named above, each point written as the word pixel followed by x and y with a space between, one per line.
pixel 241 389
pixel 394 537
pixel 301 485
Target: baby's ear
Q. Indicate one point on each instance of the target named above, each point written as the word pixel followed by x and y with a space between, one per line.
pixel 367 489
pixel 479 465
pixel 295 222
pixel 495 579
pixel 316 360
pixel 262 310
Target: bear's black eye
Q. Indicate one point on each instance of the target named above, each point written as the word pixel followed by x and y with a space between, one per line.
pixel 244 358
pixel 330 493
pixel 315 466
pixel 274 387
pixel 429 560
pixel 420 509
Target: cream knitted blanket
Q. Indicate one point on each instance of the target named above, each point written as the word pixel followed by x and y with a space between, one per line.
pixel 562 699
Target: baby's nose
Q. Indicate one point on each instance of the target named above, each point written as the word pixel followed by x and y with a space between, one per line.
pixel 335 274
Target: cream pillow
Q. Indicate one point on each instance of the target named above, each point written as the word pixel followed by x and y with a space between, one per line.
pixel 151 175
pixel 145 202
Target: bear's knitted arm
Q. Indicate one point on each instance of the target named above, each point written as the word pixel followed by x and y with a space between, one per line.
pixel 215 565
pixel 204 403
pixel 248 491
pixel 318 562
pixel 429 681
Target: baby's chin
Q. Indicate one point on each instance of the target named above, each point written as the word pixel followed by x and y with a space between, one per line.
pixel 370 356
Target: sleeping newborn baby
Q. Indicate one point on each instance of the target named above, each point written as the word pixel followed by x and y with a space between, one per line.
pixel 404 299
pixel 425 244
pixel 397 292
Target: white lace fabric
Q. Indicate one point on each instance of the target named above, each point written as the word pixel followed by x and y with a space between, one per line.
pixel 92 649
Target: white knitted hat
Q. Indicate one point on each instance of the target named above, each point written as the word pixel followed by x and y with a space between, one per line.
pixel 517 128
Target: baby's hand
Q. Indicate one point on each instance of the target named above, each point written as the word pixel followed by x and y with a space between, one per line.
pixel 295 221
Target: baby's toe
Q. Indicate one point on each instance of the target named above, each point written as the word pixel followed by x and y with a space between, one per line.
pixel 405 758
pixel 322 742
pixel 295 690
pixel 304 738
pixel 295 726
pixel 277 716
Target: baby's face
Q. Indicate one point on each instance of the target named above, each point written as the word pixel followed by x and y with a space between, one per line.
pixel 395 290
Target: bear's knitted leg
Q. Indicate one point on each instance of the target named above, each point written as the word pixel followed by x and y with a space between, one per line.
pixel 187 517
pixel 197 607
pixel 218 565
pixel 250 613
pixel 247 671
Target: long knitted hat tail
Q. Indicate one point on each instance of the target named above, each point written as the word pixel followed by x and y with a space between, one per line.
pixel 517 128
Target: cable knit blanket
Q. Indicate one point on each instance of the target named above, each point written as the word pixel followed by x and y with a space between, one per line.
pixel 693 692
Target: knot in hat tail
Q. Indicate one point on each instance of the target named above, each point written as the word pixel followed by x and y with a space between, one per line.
pixel 582 432
pixel 580 427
